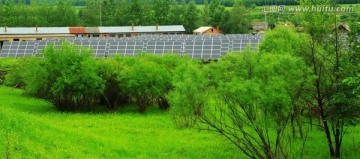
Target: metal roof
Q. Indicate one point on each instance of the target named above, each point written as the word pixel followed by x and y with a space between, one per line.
pixel 33 30
pixel 71 30
pixel 202 29
pixel 143 29
pixel 92 30
pixel 77 30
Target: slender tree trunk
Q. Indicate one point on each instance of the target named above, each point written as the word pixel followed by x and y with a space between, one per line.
pixel 337 80
pixel 337 140
pixel 293 125
pixel 300 127
pixel 328 137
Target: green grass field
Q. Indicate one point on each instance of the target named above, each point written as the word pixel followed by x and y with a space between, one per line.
pixel 31 128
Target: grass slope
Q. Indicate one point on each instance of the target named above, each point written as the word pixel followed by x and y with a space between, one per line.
pixel 30 128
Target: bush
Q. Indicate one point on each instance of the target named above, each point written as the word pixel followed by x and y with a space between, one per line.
pixel 170 62
pixel 67 76
pixel 6 64
pixel 144 80
pixel 189 95
pixel 113 96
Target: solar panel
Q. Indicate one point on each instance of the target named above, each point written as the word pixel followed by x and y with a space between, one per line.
pixel 197 46
pixel 207 49
pixel 18 49
pixel 126 48
pixel 161 47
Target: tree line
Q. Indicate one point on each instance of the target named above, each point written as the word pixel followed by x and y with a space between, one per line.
pixel 125 13
pixel 141 12
pixel 24 15
pixel 166 12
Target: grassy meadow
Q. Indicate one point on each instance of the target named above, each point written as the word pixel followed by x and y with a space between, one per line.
pixel 31 128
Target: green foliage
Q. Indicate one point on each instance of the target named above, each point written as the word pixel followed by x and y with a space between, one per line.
pixel 64 15
pixel 191 17
pixel 188 96
pixel 90 14
pixel 247 95
pixel 24 15
pixel 283 40
pixel 331 64
pixel 177 10
pixel 205 18
pixel 162 12
pixel 144 80
pixel 6 64
pixel 67 76
pixel 237 22
pixel 113 95
pixel 136 11
pixel 215 12
pixel 22 72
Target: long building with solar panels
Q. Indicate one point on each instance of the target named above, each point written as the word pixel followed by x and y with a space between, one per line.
pixel 43 33
pixel 206 47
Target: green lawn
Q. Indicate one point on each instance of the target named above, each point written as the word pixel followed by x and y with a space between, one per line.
pixel 31 128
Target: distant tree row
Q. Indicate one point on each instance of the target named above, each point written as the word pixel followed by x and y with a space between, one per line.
pixel 24 15
pixel 165 12
pixel 125 13
pixel 140 12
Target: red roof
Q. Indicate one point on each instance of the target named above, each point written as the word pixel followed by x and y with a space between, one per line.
pixel 77 30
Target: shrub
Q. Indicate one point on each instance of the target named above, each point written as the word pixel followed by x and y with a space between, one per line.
pixel 143 80
pixel 170 62
pixel 189 95
pixel 67 76
pixel 113 95
pixel 6 65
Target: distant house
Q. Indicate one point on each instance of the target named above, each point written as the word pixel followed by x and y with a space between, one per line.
pixel 207 30
pixel 342 27
pixel 42 33
pixel 259 26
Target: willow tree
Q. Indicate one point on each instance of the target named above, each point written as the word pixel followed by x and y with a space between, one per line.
pixel 331 63
pixel 244 97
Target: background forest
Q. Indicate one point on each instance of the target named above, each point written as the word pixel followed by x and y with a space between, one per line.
pixel 235 19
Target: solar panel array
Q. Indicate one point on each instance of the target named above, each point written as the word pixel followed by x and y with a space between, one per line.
pixel 17 49
pixel 194 46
